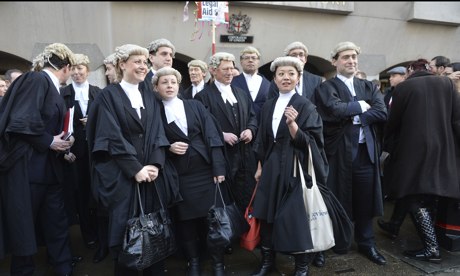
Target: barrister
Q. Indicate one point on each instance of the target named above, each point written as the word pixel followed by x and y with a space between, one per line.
pixel 234 113
pixel 31 172
pixel 350 109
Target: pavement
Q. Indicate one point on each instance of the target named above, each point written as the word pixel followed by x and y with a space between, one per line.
pixel 243 262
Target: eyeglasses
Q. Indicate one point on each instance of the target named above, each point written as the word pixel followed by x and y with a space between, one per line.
pixel 249 58
pixel 297 55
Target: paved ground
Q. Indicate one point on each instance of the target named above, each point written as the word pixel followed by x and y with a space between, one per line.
pixel 243 262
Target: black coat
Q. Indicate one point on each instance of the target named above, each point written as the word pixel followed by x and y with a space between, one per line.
pixel 424 124
pixel 120 145
pixel 337 107
pixel 212 100
pixel 277 157
pixel 31 113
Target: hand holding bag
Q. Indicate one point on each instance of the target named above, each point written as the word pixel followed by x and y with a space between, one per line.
pixel 148 238
pixel 322 232
pixel 224 223
pixel 251 239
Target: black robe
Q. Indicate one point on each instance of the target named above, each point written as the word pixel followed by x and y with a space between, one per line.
pixel 337 107
pixel 31 113
pixel 240 157
pixel 203 159
pixel 120 145
pixel 78 173
pixel 277 157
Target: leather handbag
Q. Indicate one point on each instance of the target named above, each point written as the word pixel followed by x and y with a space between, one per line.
pixel 225 222
pixel 148 238
pixel 251 239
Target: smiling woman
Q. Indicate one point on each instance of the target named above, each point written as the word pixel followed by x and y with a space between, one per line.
pixel 127 142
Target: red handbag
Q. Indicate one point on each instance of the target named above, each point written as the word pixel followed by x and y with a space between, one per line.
pixel 251 239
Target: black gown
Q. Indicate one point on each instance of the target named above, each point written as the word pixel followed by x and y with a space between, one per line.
pixel 203 160
pixel 277 157
pixel 120 145
pixel 31 113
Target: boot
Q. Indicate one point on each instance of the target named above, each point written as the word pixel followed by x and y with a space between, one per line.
pixel 192 254
pixel 301 264
pixel 425 227
pixel 217 257
pixel 397 218
pixel 268 262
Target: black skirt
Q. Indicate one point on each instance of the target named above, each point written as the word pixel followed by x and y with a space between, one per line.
pixel 196 185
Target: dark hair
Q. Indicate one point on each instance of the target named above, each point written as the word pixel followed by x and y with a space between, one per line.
pixel 10 72
pixel 455 66
pixel 57 63
pixel 441 61
pixel 420 64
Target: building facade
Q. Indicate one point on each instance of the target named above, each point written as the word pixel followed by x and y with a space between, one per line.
pixel 389 33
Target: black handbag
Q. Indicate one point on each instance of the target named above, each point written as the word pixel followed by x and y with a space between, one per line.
pixel 148 238
pixel 225 223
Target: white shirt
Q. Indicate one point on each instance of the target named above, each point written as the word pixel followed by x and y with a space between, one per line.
pixel 226 93
pixel 134 95
pixel 175 112
pixel 299 86
pixel 253 82
pixel 197 88
pixel 82 95
pixel 54 79
pixel 280 106
pixel 356 120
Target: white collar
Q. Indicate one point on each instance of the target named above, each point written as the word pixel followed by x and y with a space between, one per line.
pixel 226 92
pixel 133 93
pixel 175 112
pixel 345 79
pixel 199 87
pixel 54 79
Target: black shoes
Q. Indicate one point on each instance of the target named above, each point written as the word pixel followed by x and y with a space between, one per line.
pixel 319 260
pixel 390 228
pixel 229 250
pixel 76 259
pixel 91 245
pixel 372 254
pixel 100 255
pixel 424 255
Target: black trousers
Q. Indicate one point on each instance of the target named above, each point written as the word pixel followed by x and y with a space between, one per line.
pixel 50 219
pixel 363 177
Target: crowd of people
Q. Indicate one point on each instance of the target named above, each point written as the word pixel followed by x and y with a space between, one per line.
pixel 74 153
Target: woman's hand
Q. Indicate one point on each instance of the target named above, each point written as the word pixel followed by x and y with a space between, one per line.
pixel 147 174
pixel 219 179
pixel 291 115
pixel 258 172
pixel 179 148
